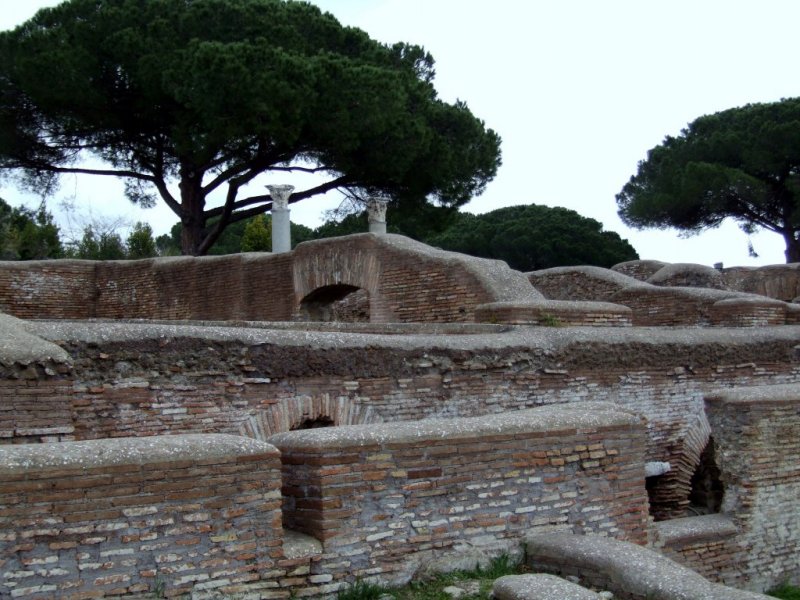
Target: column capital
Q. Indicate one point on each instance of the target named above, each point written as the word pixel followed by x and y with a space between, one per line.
pixel 280 196
pixel 376 209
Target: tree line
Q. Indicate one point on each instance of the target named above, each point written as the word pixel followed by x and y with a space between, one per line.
pixel 184 99
pixel 528 238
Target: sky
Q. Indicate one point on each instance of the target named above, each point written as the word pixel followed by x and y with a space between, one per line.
pixel 579 91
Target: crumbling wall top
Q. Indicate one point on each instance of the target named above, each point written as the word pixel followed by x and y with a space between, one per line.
pixel 127 451
pixel 566 417
pixel 19 346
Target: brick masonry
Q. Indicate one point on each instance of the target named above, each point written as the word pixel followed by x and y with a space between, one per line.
pixel 145 380
pixel 113 517
pixel 405 281
pixel 388 495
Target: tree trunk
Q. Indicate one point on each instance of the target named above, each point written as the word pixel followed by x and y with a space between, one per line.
pixel 792 247
pixel 193 220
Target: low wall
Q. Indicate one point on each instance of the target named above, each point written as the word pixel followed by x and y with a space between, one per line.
pixel 708 544
pixel 140 380
pixel 781 282
pixel 665 305
pixel 757 433
pixel 583 283
pixel 384 498
pixel 115 517
pixel 400 280
pixel 555 313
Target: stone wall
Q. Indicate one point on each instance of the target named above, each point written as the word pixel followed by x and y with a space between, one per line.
pixel 405 281
pixel 139 380
pixel 754 542
pixel 115 517
pixel 386 498
pixel 181 513
pixel 781 282
pixel 757 433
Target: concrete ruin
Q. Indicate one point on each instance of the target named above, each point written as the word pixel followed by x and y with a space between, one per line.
pixel 284 424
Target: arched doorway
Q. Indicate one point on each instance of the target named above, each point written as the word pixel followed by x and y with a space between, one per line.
pixel 336 303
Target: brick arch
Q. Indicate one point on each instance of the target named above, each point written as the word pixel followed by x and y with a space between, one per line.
pixel 669 493
pixel 289 414
pixel 405 280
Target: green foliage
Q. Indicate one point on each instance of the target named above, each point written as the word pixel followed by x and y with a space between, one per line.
pixel 140 242
pixel 535 237
pixel 212 93
pixel 741 164
pixel 786 592
pixel 411 217
pixel 362 590
pixel 28 235
pixel 106 245
pixel 257 236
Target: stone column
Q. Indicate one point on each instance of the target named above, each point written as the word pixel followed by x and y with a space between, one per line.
pixel 376 209
pixel 281 228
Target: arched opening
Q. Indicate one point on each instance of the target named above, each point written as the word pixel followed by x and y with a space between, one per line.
pixel 706 492
pixel 336 303
pixel 314 423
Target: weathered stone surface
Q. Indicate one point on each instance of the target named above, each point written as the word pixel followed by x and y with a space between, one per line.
pixel 540 586
pixel 583 283
pixel 781 282
pixel 688 275
pixel 555 313
pixel 639 269
pixel 627 570
pixel 18 346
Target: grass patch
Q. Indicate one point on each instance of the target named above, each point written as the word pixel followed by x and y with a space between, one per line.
pixel 786 592
pixel 477 582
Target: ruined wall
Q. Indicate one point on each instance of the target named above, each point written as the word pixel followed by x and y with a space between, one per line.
pixel 757 432
pixel 177 513
pixel 63 289
pixel 665 304
pixel 754 542
pixel 115 517
pixel 582 283
pixel 383 498
pixel 406 281
pixel 781 282
pixel 147 380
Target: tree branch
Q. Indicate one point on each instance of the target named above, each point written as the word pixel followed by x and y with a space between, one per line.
pixel 81 171
pixel 237 215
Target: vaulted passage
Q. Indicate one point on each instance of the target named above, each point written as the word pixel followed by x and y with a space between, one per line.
pixel 707 490
pixel 341 303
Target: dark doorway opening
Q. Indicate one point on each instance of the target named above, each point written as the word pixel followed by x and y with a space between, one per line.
pixel 336 303
pixel 706 492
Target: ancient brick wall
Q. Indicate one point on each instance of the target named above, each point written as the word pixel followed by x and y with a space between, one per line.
pixel 580 283
pixel 62 289
pixel 708 544
pixel 405 281
pixel 115 517
pixel 164 381
pixel 781 282
pixel 376 495
pixel 757 432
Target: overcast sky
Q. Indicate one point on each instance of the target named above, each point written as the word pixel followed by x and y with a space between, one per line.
pixel 579 90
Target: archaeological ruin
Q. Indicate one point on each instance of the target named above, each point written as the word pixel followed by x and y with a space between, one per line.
pixel 284 424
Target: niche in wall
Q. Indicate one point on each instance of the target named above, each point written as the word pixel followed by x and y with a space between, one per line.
pixel 338 303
